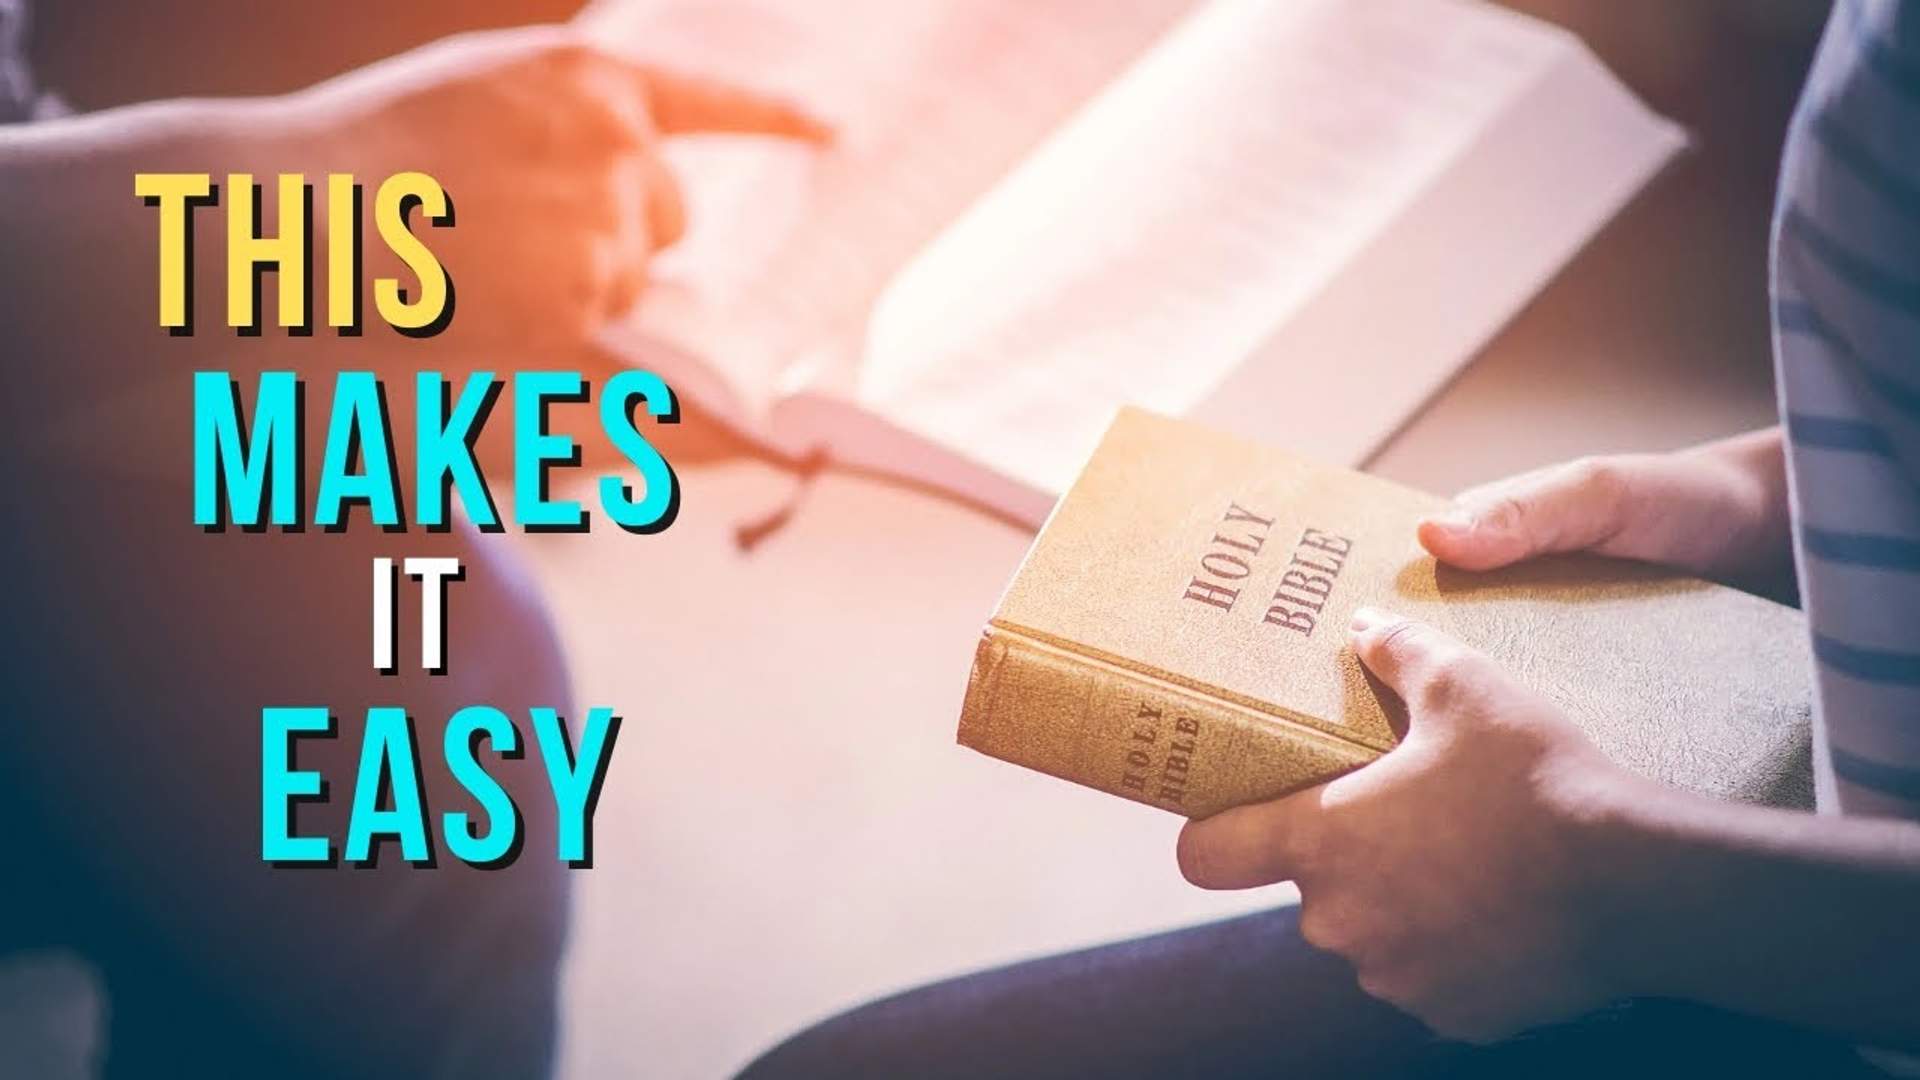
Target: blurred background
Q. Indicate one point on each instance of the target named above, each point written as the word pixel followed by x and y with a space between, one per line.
pixel 776 847
pixel 1663 314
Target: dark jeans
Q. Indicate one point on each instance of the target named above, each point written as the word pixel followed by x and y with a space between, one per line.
pixel 1248 997
pixel 143 651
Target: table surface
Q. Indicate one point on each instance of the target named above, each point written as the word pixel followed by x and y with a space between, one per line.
pixel 788 829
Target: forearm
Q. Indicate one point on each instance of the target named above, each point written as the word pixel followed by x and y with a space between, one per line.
pixel 1719 510
pixel 67 185
pixel 1802 918
pixel 1755 465
pixel 79 279
pixel 79 242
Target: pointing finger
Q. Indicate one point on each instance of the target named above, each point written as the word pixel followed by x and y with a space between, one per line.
pixel 691 104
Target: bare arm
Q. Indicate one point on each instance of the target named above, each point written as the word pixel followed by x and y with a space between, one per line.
pixel 548 145
pixel 1803 918
pixel 1495 871
pixel 81 264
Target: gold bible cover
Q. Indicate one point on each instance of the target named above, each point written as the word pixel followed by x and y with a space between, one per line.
pixel 1177 636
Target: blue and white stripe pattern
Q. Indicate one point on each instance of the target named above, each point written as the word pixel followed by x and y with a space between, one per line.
pixel 1846 313
pixel 16 80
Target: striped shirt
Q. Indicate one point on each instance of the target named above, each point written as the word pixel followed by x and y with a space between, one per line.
pixel 1846 322
pixel 17 97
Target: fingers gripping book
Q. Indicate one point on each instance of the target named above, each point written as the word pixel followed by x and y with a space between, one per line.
pixel 1176 636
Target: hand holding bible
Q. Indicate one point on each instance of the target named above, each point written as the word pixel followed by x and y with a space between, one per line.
pixel 1454 872
pixel 1719 511
pixel 1451 872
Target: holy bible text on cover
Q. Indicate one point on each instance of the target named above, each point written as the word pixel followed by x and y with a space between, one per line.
pixel 1177 636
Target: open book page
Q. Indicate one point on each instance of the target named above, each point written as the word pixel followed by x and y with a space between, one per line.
pixel 933 102
pixel 1259 159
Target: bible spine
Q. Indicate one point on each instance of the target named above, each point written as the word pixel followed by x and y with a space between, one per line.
pixel 1137 734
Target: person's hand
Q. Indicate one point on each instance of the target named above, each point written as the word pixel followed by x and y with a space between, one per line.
pixel 1453 873
pixel 1718 510
pixel 549 147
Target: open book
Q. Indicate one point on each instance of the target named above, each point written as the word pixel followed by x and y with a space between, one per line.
pixel 1291 220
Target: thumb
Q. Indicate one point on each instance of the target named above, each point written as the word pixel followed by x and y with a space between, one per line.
pixel 1570 507
pixel 1251 845
pixel 1419 663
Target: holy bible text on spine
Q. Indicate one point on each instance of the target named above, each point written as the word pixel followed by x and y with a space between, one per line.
pixel 1177 636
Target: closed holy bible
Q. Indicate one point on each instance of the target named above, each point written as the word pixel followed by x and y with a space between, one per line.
pixel 1178 636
